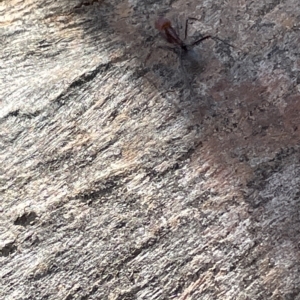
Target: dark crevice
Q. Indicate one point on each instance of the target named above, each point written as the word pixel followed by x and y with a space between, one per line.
pixel 28 218
pixel 8 249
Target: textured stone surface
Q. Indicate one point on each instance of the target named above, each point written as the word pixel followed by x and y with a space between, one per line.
pixel 126 176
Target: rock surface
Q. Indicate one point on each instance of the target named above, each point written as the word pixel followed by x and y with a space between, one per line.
pixel 125 174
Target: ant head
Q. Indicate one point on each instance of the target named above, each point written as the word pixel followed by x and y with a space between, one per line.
pixel 162 23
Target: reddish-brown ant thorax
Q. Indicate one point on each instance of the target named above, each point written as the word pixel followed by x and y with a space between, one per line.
pixel 164 26
pixel 162 23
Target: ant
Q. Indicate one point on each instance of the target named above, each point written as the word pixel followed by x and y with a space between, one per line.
pixel 86 3
pixel 189 59
pixel 164 26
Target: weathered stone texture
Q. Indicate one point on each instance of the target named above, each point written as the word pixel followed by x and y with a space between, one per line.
pixel 126 176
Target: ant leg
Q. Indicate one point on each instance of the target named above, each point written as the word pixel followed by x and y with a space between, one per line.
pixel 201 40
pixel 148 56
pixel 198 41
pixel 187 24
pixel 208 36
pixel 213 38
pixel 179 28
pixel 228 44
pixel 167 48
pixel 186 28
